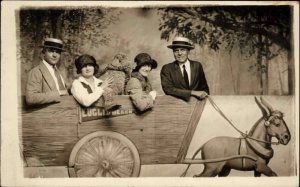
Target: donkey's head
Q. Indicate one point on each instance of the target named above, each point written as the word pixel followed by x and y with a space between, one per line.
pixel 274 122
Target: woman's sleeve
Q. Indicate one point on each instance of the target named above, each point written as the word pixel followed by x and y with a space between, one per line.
pixel 82 96
pixel 140 99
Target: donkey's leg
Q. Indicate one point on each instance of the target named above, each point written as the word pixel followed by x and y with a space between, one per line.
pixel 257 174
pixel 211 170
pixel 224 172
pixel 207 172
pixel 264 169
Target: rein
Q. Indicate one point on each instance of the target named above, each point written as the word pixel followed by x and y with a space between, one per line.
pixel 244 135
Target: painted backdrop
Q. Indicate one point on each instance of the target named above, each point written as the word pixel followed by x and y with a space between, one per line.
pixel 104 32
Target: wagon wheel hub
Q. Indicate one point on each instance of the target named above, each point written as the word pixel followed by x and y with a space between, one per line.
pixel 105 164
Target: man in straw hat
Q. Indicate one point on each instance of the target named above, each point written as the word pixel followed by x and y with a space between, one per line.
pixel 183 78
pixel 45 83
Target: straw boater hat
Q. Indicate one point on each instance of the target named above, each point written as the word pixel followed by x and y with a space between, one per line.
pixel 181 42
pixel 53 43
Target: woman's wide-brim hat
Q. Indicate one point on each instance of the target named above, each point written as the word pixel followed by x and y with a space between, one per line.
pixel 144 59
pixel 181 42
pixel 53 43
pixel 84 60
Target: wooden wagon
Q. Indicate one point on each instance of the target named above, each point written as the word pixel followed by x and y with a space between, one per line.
pixel 95 143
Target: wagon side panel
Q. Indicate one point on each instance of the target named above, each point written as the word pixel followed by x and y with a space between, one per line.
pixel 158 134
pixel 48 133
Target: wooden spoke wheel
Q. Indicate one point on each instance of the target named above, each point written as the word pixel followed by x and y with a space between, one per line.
pixel 104 154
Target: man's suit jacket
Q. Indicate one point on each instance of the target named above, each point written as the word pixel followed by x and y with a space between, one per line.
pixel 173 83
pixel 41 88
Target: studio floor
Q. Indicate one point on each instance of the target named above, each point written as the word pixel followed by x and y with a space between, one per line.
pixel 162 170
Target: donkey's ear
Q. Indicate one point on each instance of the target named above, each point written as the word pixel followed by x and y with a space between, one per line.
pixel 267 105
pixel 262 108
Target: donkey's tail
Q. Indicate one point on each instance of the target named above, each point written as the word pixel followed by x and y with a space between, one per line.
pixel 198 150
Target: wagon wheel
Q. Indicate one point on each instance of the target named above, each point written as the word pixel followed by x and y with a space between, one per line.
pixel 104 154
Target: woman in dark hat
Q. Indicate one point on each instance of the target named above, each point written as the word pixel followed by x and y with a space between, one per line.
pixel 139 87
pixel 87 89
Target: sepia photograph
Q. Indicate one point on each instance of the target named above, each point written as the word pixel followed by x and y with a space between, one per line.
pixel 149 93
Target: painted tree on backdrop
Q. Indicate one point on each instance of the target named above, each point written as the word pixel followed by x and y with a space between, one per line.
pixel 260 31
pixel 81 29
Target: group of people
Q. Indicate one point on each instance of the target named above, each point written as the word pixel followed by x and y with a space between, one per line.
pixel 183 78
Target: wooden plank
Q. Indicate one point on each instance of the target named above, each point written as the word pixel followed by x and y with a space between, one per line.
pixel 54 120
pixel 158 148
pixel 194 120
pixel 48 150
pixel 128 123
pixel 67 102
pixel 53 128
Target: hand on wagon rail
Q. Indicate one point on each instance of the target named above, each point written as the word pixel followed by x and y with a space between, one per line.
pixel 153 94
pixel 199 94
pixel 107 82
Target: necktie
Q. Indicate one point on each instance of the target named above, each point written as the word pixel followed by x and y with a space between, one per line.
pixel 58 78
pixel 185 76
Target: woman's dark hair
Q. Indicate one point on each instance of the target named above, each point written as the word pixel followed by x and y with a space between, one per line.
pixel 84 60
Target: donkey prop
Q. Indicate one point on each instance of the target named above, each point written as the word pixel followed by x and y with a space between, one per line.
pixel 252 151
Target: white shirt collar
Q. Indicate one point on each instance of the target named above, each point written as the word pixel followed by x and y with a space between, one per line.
pixel 187 66
pixel 48 65
pixel 186 63
pixel 52 73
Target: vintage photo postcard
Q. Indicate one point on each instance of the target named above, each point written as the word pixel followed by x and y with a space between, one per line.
pixel 149 93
